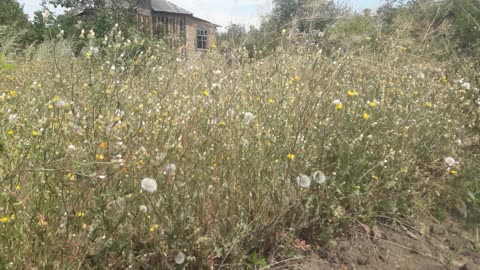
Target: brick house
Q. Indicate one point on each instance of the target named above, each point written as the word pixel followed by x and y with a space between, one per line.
pixel 181 28
pixel 163 18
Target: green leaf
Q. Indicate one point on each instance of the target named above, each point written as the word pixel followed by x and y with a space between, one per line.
pixel 9 66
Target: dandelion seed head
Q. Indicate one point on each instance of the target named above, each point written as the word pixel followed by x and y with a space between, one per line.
pixel 149 185
pixel 170 169
pixel 180 258
pixel 60 104
pixel 466 85
pixel 248 118
pixel 303 181
pixel 12 118
pixel 319 177
pixel 450 161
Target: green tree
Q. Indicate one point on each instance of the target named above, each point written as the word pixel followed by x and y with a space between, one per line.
pixel 12 14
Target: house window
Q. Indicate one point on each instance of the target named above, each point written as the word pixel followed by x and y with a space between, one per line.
pixel 202 39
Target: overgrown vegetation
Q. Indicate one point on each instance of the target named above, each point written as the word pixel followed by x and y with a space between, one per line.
pixel 124 154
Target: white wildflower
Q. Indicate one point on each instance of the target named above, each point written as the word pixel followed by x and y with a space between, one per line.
pixel 336 102
pixel 180 258
pixel 303 181
pixel 46 15
pixel 71 149
pixel 161 156
pixel 12 118
pixel 319 177
pixel 450 161
pixel 248 117
pixel 466 85
pixel 143 208
pixel 149 185
pixel 61 104
pixel 170 169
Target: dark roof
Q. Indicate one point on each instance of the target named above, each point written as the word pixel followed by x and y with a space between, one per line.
pixel 216 25
pixel 166 6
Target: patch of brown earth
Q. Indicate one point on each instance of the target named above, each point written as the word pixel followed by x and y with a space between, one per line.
pixel 432 246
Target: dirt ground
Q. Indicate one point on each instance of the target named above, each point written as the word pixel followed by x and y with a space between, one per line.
pixel 432 246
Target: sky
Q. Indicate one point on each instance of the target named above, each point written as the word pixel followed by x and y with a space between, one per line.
pixel 223 12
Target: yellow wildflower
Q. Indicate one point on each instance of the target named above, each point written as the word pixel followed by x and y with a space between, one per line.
pixel 284 31
pixel 291 156
pixel 34 133
pixel 372 104
pixel 339 106
pixel 206 93
pixel 10 132
pixel 80 214
pixel 365 116
pixel 100 157
pixel 103 145
pixel 270 100
pixel 4 219
pixel 222 123
pixel 453 172
pixel 13 93
pixel 428 104
pixel 88 55
pixel 153 228
pixel 18 187
pixel 352 93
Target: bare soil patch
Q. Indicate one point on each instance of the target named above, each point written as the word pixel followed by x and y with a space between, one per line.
pixel 429 246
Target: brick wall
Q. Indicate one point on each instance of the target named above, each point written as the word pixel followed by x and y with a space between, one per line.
pixel 193 24
pixel 177 28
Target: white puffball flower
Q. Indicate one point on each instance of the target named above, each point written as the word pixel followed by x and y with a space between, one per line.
pixel 248 117
pixel 336 102
pixel 143 208
pixel 71 149
pixel 450 161
pixel 61 104
pixel 466 86
pixel 180 258
pixel 12 118
pixel 303 181
pixel 319 177
pixel 170 169
pixel 149 185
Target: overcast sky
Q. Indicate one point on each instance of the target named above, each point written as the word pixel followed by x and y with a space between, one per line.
pixel 222 12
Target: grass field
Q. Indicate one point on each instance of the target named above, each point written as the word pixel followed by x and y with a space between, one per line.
pixel 151 160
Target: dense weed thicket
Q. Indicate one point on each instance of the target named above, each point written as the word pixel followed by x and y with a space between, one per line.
pixel 149 160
